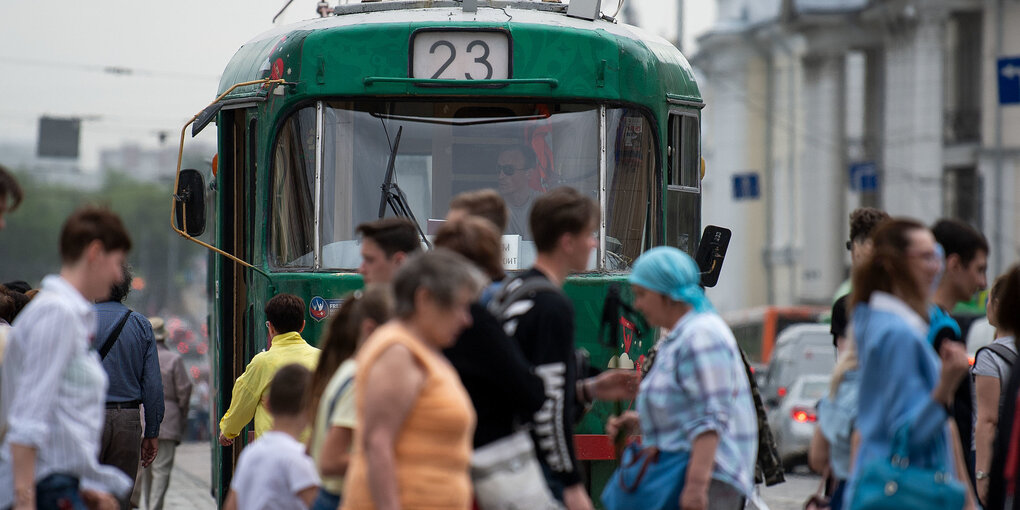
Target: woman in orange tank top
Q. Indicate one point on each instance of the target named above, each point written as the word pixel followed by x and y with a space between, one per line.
pixel 412 444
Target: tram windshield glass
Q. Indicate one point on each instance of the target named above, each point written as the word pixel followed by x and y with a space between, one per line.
pixel 445 148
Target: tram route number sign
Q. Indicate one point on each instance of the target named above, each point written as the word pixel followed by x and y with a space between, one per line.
pixel 1009 80
pixel 460 55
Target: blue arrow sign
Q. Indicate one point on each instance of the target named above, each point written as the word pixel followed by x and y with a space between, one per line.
pixel 1009 80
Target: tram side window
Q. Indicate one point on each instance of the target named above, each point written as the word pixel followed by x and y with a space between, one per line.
pixel 632 159
pixel 683 199
pixel 292 206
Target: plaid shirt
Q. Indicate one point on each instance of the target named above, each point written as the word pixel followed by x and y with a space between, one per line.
pixel 696 385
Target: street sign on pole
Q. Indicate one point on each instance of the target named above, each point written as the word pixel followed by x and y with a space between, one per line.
pixel 1009 80
pixel 745 186
pixel 863 176
pixel 58 137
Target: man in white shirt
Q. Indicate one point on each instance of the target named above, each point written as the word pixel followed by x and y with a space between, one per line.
pixel 54 387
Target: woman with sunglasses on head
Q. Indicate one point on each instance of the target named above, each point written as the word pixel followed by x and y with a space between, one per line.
pixel 331 390
pixel 696 397
pixel 905 387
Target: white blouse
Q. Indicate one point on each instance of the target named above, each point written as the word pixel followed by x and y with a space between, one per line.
pixel 53 392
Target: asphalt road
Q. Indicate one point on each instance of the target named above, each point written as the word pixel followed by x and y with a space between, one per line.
pixel 791 494
pixel 189 483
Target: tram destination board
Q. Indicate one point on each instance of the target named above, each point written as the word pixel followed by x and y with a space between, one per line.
pixel 460 55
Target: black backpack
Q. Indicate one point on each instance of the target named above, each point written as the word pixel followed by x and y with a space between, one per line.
pixel 1007 355
pixel 501 306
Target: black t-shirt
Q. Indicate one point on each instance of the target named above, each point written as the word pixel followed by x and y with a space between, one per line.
pixel 543 325
pixel 963 403
pixel 502 386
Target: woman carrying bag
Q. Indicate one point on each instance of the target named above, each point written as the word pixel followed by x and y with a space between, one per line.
pixel 908 456
pixel 694 407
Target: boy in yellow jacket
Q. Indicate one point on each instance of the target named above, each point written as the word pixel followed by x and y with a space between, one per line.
pixel 286 320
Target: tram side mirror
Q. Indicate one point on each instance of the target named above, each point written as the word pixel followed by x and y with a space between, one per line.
pixel 189 213
pixel 711 253
pixel 205 117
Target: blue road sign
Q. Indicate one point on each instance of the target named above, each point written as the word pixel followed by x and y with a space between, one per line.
pixel 864 176
pixel 745 186
pixel 1009 80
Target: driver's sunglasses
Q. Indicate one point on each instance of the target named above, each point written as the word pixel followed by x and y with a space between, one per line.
pixel 508 169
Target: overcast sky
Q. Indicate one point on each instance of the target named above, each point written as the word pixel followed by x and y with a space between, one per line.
pixel 54 55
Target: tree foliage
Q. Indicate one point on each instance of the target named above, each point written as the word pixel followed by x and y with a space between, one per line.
pixel 164 261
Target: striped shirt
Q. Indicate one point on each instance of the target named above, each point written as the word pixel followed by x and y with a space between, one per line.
pixel 54 389
pixel 696 385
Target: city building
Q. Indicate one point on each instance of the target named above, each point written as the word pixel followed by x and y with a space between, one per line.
pixel 816 107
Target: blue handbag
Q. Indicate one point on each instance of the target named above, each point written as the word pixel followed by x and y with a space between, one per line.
pixel 893 484
pixel 647 479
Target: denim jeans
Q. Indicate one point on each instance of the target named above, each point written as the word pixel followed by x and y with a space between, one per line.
pixel 58 492
pixel 836 499
pixel 326 501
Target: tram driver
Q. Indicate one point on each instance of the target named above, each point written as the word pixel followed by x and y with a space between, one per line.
pixel 515 166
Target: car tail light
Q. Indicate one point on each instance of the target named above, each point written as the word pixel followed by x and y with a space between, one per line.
pixel 970 359
pixel 804 415
pixel 781 391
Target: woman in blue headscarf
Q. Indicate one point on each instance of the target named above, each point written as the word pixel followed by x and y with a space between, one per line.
pixel 696 397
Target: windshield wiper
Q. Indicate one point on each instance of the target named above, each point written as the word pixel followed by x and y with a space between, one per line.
pixel 394 196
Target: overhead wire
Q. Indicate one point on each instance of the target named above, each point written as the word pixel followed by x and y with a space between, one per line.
pixel 114 70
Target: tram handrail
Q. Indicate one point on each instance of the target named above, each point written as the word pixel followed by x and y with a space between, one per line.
pixel 177 178
pixel 480 84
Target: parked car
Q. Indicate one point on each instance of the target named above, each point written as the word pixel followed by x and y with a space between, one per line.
pixel 793 421
pixel 802 349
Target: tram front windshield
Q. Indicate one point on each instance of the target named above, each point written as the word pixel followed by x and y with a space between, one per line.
pixel 518 149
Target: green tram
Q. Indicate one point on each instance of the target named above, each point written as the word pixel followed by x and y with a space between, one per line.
pixel 427 95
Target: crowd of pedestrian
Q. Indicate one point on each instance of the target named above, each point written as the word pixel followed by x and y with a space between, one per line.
pixel 909 421
pixel 446 383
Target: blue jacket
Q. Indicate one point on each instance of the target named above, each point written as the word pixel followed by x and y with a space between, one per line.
pixel 132 364
pixel 898 371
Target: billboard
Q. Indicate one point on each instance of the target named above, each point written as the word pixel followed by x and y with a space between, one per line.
pixel 58 138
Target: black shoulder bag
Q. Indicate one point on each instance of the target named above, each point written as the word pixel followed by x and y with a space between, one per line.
pixel 114 335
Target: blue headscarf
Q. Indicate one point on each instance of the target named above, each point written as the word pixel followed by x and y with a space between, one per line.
pixel 672 273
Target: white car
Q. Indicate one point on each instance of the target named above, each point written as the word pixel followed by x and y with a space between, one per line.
pixel 793 421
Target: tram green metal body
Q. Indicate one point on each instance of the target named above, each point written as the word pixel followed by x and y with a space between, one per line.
pixel 362 54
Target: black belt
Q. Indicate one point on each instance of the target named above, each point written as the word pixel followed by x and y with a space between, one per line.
pixel 124 405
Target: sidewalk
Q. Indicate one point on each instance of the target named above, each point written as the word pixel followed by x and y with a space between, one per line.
pixel 190 481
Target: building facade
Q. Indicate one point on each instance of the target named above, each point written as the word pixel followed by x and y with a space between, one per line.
pixel 835 104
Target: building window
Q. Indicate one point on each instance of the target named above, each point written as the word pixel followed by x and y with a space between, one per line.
pixel 962 122
pixel 961 195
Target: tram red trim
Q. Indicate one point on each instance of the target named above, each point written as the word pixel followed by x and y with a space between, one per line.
pixel 593 447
